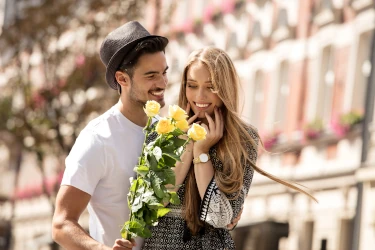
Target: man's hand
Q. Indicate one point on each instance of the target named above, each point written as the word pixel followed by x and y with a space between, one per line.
pixel 123 244
pixel 232 225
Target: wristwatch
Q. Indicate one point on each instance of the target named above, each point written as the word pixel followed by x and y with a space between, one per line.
pixel 202 158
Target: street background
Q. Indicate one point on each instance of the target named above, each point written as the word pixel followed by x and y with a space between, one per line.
pixel 307 84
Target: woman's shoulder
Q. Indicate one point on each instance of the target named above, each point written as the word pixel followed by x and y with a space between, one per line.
pixel 252 131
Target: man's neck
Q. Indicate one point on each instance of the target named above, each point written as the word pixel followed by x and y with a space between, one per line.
pixel 133 113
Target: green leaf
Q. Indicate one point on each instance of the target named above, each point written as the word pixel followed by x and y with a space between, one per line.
pixel 166 198
pixel 140 189
pixel 142 170
pixel 161 176
pixel 150 200
pixel 177 132
pixel 170 162
pixel 146 233
pixel 162 211
pixel 179 142
pixel 174 198
pixel 140 212
pixel 173 156
pixel 135 184
pixel 150 216
pixel 153 163
pixel 155 205
pixel 148 195
pixel 156 185
pixel 137 204
pixel 170 177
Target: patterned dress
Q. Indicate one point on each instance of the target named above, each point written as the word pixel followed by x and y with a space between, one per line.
pixel 217 211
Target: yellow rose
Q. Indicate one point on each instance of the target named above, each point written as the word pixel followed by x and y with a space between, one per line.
pixel 164 126
pixel 183 125
pixel 152 108
pixel 177 113
pixel 197 132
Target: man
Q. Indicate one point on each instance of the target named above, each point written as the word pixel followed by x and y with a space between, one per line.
pixel 104 155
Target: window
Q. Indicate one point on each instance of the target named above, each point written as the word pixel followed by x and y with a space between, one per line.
pixel 258 98
pixel 306 238
pixel 183 10
pixel 326 85
pixel 362 72
pixel 198 9
pixel 282 96
pixel 346 232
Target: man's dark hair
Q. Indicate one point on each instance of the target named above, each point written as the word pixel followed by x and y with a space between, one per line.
pixel 147 46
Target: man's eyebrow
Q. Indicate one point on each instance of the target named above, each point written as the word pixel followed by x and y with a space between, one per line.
pixel 155 72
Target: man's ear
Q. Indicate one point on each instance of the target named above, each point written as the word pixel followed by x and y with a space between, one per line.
pixel 122 78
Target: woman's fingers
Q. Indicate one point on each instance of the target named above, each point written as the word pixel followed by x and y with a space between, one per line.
pixel 193 118
pixel 187 110
pixel 219 121
pixel 211 123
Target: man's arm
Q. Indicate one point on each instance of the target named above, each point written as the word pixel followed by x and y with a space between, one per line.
pixel 70 203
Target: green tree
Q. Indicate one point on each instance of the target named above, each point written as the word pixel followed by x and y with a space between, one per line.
pixel 58 41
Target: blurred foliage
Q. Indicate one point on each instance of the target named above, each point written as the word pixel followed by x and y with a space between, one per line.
pixel 55 81
pixel 351 118
pixel 314 129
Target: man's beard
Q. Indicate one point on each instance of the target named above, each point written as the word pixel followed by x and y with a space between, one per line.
pixel 133 96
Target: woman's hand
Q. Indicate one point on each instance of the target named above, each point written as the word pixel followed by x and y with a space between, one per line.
pixel 215 130
pixel 194 117
pixel 189 146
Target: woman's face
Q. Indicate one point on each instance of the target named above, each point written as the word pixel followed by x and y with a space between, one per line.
pixel 199 90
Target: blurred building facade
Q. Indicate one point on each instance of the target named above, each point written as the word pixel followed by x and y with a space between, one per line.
pixel 305 67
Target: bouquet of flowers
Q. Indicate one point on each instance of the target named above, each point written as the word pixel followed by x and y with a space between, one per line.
pixel 148 192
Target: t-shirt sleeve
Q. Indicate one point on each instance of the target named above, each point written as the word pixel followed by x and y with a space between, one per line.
pixel 85 165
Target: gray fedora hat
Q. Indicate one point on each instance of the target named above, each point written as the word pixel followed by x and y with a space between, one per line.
pixel 118 44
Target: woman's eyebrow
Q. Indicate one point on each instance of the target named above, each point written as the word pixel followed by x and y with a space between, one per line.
pixel 192 80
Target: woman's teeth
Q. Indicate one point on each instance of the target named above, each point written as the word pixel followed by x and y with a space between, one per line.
pixel 202 105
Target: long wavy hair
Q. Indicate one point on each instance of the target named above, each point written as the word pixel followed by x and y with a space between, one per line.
pixel 232 147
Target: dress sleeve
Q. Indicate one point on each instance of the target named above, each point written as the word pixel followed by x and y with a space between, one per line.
pixel 219 209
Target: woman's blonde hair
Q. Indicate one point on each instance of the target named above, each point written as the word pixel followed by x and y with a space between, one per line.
pixel 233 147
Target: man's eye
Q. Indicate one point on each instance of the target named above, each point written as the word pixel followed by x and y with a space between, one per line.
pixel 150 76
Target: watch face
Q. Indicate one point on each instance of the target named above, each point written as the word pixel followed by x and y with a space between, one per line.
pixel 203 157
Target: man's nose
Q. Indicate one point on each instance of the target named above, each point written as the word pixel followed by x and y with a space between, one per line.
pixel 163 81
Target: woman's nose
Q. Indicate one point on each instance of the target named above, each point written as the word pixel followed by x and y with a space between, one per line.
pixel 201 93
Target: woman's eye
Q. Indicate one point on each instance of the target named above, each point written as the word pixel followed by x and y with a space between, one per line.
pixel 191 86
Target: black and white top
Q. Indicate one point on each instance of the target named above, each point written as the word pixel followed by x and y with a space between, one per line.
pixel 218 209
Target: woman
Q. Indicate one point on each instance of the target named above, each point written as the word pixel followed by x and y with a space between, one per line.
pixel 215 174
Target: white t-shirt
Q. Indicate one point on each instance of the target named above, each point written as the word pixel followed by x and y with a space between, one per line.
pixel 100 163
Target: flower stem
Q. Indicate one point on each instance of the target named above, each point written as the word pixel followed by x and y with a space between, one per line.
pixel 146 129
